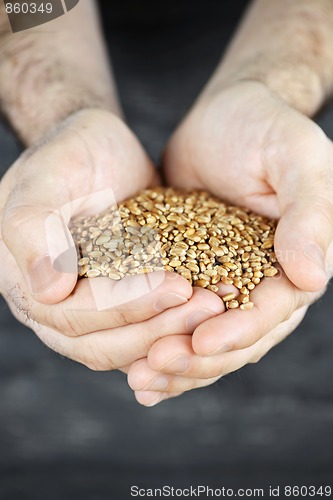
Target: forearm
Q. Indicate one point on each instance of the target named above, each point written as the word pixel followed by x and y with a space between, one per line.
pixel 49 72
pixel 287 45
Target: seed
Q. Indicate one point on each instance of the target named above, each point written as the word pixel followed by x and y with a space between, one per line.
pixel 201 283
pixel 191 233
pixel 233 304
pixel 84 261
pixel 243 299
pixel 94 254
pixel 203 219
pixel 137 249
pixel 83 270
pixel 247 306
pixel 272 271
pixel 186 274
pixel 267 244
pixel 192 267
pixel 221 271
pixel 204 277
pixel 227 281
pixel 93 273
pixel 228 296
pixel 114 276
pixel 238 283
pixel 102 240
pixel 203 246
pixel 258 274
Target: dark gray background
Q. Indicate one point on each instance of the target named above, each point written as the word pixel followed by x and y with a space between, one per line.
pixel 66 431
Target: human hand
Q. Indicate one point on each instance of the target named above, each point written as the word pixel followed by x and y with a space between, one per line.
pixel 71 173
pixel 249 148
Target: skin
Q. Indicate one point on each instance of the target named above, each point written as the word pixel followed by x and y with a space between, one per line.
pixel 248 139
pixel 80 155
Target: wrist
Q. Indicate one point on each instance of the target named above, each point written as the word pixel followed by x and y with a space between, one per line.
pixel 287 46
pixel 46 76
pixel 37 93
pixel 295 83
pixel 33 121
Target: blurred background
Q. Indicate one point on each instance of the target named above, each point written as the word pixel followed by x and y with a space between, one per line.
pixel 66 431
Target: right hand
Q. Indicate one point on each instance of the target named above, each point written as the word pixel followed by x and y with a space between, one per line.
pixel 89 153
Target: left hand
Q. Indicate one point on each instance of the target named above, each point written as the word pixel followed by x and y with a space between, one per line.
pixel 248 147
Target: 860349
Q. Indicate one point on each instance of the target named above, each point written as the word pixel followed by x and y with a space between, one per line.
pixel 29 8
pixel 308 491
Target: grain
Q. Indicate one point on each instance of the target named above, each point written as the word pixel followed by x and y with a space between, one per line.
pixel 189 232
pixel 228 297
pixel 247 306
pixel 232 304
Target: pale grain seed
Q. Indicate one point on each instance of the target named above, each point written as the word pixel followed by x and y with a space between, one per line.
pixel 93 273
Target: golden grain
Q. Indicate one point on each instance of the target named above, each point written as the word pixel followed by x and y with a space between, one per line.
pixel 191 233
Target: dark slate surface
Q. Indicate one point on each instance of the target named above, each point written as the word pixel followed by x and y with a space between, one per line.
pixel 66 432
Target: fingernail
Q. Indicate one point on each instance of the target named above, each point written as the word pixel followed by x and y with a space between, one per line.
pixel 155 398
pixel 155 402
pixel 158 383
pixel 42 275
pixel 169 300
pixel 179 364
pixel 197 317
pixel 315 254
pixel 66 262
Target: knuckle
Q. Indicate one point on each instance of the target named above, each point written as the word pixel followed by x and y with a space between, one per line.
pixel 255 358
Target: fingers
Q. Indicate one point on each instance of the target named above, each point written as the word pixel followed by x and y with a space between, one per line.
pixel 302 240
pixel 110 348
pixel 114 348
pixel 141 377
pixel 132 300
pixel 301 172
pixel 275 299
pixel 76 170
pixel 101 303
pixel 153 386
pixel 42 247
pixel 176 356
pixel 152 398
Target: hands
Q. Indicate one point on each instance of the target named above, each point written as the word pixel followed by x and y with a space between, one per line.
pixel 248 147
pixel 91 152
pixel 275 161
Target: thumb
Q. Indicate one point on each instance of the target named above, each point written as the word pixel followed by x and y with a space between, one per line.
pixel 303 237
pixel 43 248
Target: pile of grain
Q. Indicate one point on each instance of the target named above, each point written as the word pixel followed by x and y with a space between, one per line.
pixel 189 232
